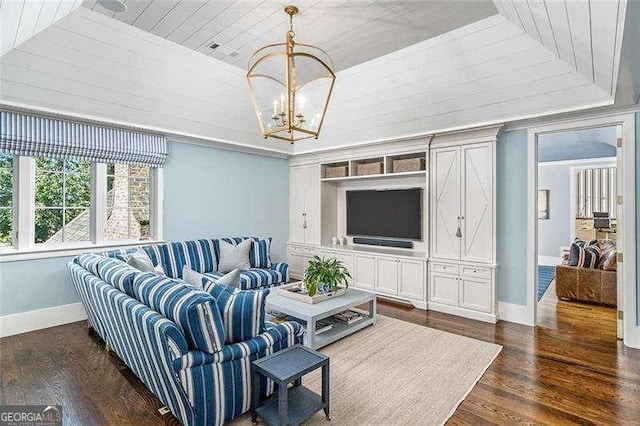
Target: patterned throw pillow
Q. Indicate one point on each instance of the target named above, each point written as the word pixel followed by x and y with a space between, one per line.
pixel 584 257
pixel 242 311
pixel 260 254
pixel 195 312
pixel 608 258
pixel 234 256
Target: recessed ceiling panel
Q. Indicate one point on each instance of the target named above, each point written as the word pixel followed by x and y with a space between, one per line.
pixel 353 31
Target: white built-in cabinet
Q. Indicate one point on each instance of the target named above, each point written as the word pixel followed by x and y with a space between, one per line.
pixel 462 203
pixel 462 229
pixel 452 269
pixel 305 204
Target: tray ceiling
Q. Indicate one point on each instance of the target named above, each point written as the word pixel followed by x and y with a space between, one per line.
pixel 352 31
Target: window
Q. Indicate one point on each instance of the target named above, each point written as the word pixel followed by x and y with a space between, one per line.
pixel 62 201
pixel 50 204
pixel 6 199
pixel 127 202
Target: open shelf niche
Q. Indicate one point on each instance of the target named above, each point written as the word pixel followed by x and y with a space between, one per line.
pixel 411 164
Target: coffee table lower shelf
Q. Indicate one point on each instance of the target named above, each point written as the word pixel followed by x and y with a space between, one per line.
pixel 302 404
pixel 339 330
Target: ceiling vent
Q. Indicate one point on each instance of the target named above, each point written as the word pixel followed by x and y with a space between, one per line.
pixel 224 50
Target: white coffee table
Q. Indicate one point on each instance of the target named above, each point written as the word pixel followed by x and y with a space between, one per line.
pixel 312 313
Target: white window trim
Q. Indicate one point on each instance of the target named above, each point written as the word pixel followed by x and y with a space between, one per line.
pixel 24 247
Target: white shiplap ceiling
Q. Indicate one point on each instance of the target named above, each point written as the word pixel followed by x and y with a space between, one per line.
pixel 22 19
pixel 352 31
pixel 491 70
pixel 585 34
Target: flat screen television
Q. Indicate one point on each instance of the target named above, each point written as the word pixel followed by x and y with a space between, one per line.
pixel 395 213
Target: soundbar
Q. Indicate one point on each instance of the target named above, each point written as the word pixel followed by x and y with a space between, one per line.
pixel 383 242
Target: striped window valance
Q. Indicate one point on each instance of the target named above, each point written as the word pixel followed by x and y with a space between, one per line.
pixel 33 136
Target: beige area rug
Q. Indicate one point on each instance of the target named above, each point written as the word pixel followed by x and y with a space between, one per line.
pixel 398 373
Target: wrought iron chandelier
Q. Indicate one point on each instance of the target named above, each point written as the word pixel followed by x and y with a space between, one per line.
pixel 290 85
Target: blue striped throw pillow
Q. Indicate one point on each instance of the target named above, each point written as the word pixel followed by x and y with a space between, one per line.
pixel 242 311
pixel 195 312
pixel 260 253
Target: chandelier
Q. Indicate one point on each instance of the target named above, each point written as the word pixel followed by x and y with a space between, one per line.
pixel 290 85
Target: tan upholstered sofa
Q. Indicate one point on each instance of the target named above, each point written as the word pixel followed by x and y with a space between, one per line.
pixel 586 285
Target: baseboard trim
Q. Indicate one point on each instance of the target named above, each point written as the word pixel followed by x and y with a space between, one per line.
pixel 25 322
pixel 511 312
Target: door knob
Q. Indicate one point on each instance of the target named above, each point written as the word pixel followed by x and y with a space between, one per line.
pixel 458 229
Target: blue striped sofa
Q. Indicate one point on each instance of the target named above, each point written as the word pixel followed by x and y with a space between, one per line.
pixel 200 388
pixel 203 256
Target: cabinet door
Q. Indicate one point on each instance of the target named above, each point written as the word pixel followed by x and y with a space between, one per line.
pixel 365 267
pixel 412 279
pixel 312 204
pixel 477 203
pixel 387 275
pixel 297 264
pixel 296 202
pixel 475 293
pixel 445 202
pixel 444 289
pixel 347 262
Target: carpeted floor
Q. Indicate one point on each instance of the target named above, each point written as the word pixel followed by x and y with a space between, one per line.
pixel 398 373
pixel 546 274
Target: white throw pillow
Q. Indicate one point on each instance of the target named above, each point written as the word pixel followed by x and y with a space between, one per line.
pixel 234 256
pixel 141 261
pixel 192 277
pixel 195 278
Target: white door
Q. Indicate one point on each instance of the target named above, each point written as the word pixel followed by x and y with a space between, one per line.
pixel 475 293
pixel 312 204
pixel 365 267
pixel 477 203
pixel 444 289
pixel 296 220
pixel 387 275
pixel 621 240
pixel 412 274
pixel 445 203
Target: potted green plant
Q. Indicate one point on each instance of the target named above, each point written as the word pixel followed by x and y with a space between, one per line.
pixel 325 275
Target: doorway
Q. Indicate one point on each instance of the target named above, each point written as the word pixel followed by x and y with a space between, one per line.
pixel 624 317
pixel 577 231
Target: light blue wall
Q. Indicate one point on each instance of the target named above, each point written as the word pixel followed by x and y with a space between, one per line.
pixel 208 192
pixel 512 217
pixel 555 232
pixel 217 193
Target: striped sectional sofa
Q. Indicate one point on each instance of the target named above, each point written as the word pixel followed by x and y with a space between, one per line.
pixel 155 324
pixel 203 255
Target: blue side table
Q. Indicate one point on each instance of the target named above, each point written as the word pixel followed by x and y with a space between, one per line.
pixel 295 404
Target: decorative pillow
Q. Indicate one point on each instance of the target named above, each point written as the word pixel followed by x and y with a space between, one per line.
pixel 141 261
pixel 608 258
pixel 584 257
pixel 195 312
pixel 260 254
pixel 582 243
pixel 231 279
pixel 242 311
pixel 234 256
pixel 192 277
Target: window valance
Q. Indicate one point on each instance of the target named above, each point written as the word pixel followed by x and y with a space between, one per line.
pixel 33 136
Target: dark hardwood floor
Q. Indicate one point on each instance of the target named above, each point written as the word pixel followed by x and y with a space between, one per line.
pixel 569 370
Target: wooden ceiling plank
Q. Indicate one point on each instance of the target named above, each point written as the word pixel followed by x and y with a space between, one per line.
pixel 580 25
